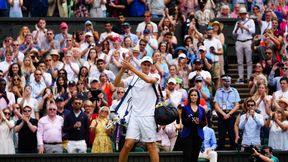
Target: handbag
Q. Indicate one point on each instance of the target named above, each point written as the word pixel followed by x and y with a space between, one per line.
pixel 165 113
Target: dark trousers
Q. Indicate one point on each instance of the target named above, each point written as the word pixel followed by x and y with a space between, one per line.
pixel 191 146
pixel 223 127
pixel 39 11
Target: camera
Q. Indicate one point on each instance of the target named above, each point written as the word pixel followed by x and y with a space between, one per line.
pixel 250 150
pixel 280 65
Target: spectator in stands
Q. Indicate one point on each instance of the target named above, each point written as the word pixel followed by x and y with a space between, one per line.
pixel 193 119
pixel 257 78
pixel 278 130
pixel 152 43
pixel 216 50
pixel 204 95
pixel 15 70
pixel 167 21
pixel 60 107
pixel 101 68
pixel 38 84
pixel 39 34
pixel 171 94
pixel 8 98
pixel 276 81
pixel 84 76
pixel 263 100
pixel 27 68
pixel 29 44
pixel 70 67
pixel 165 132
pixel 267 23
pixel 49 43
pixel 6 46
pixel 107 87
pixel 127 43
pixel 282 104
pixel 209 145
pixel 256 12
pixel 60 6
pixel 118 26
pixel 127 33
pixel 140 106
pixel 61 86
pixel 204 16
pixel 6 126
pixel 22 34
pixel 18 56
pixel 161 67
pixel 217 33
pixel 183 69
pixel 26 127
pixel 224 12
pixel 15 8
pixel 49 132
pixel 267 157
pixel 16 86
pixel 108 34
pixel 157 8
pixel 98 8
pixel 39 8
pixel 47 97
pixel 28 100
pixel 102 142
pixel 136 8
pixel 193 32
pixel 76 128
pixel 198 71
pixel 237 131
pixel 226 104
pixel 251 124
pixel 63 36
pixel 4 65
pixel 147 20
pixel 235 13
pixel 90 29
pixel 243 31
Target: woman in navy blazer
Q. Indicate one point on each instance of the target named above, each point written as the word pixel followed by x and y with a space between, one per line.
pixel 193 119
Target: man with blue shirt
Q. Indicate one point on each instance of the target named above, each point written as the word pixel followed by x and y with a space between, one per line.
pixel 251 123
pixel 209 145
pixel 226 104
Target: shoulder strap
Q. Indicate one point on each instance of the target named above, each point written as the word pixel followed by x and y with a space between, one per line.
pixel 159 98
pixel 126 93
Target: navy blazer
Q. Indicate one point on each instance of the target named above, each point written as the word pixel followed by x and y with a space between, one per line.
pixel 188 122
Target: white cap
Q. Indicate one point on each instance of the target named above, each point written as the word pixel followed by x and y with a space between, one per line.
pixel 172 80
pixel 182 55
pixel 202 48
pixel 89 34
pixel 147 59
pixel 94 79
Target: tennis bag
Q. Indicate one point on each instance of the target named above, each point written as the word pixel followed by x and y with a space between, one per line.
pixel 165 113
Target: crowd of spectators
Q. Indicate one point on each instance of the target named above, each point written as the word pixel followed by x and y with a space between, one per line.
pixel 56 87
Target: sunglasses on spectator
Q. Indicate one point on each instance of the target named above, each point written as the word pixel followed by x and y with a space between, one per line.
pixel 284 68
pixel 250 105
pixel 77 103
pixel 48 60
pixel 16 79
pixel 6 113
pixel 26 110
pixel 15 45
pixel 52 109
pixel 120 92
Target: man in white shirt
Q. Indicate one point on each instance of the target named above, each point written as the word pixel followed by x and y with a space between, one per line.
pixel 108 34
pixel 71 67
pixel 18 56
pixel 142 125
pixel 267 24
pixel 198 65
pixel 243 31
pixel 87 45
pixel 37 85
pixel 172 95
pixel 4 65
pixel 216 50
pixel 142 25
pixel 101 68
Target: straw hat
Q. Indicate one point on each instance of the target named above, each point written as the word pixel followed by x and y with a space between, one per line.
pixel 284 100
pixel 221 26
pixel 243 10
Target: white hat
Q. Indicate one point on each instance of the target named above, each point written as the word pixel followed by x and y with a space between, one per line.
pixel 147 59
pixel 172 80
pixel 54 52
pixel 202 48
pixel 182 55
pixel 94 79
pixel 242 10
pixel 89 34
